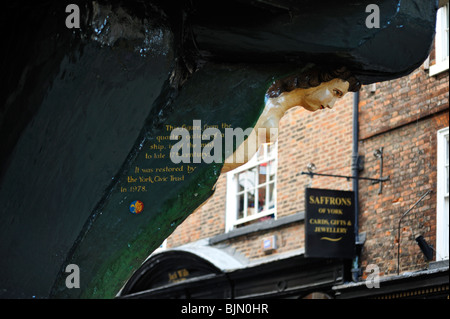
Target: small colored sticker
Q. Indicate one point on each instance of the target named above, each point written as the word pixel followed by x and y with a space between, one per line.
pixel 136 207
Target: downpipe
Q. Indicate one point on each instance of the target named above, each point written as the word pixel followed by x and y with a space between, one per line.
pixel 356 270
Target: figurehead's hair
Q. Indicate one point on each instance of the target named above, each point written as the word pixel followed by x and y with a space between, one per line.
pixel 311 78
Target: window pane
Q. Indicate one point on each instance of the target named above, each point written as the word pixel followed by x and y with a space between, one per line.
pixel 251 203
pixel 271 196
pixel 247 180
pixel 262 173
pixel 446 184
pixel 446 151
pixel 445 36
pixel 240 206
pixel 252 177
pixel 446 163
pixel 241 182
pixel 262 199
pixel 442 34
pixel 272 169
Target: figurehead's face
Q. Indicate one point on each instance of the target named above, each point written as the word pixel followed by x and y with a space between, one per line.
pixel 325 95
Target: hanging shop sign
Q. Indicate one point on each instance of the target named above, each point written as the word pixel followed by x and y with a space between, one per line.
pixel 329 229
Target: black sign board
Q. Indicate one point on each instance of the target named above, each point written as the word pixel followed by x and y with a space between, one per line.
pixel 329 223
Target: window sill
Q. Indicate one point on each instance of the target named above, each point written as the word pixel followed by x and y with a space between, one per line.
pixel 438 264
pixel 261 226
pixel 439 67
pixel 255 217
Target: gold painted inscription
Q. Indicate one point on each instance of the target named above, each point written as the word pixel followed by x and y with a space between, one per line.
pixel 160 169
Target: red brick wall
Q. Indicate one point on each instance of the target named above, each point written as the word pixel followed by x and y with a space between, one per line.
pixel 323 138
pixel 402 101
pixel 206 221
pixel 410 161
pixel 288 238
pixel 403 116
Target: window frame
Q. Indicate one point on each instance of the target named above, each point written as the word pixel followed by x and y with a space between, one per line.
pixel 441 40
pixel 442 196
pixel 232 221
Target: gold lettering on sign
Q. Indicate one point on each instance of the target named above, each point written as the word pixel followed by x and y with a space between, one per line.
pixel 331 230
pixel 331 239
pixel 156 167
pixel 178 275
pixel 327 200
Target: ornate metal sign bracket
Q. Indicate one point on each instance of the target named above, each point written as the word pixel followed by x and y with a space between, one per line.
pixel 378 153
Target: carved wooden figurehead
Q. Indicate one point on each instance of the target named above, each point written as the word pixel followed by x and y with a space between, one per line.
pixel 314 89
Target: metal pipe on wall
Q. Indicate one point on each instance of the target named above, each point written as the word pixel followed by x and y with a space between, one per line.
pixel 355 185
pixel 355 158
